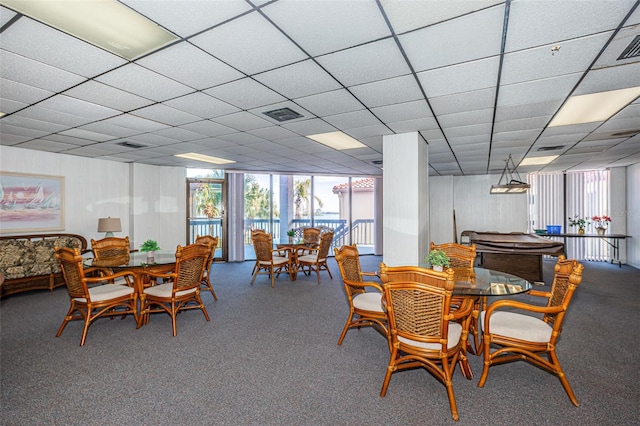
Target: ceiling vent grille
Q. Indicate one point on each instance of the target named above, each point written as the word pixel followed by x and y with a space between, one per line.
pixel 377 162
pixel 632 50
pixel 133 145
pixel 283 114
pixel 550 148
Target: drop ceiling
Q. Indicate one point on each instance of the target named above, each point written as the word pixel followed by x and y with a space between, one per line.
pixel 479 80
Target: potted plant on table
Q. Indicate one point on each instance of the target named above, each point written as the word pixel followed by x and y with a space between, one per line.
pixel 438 260
pixel 150 246
pixel 291 233
pixel 601 223
pixel 579 222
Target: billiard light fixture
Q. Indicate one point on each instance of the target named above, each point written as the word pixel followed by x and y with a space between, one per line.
pixel 511 185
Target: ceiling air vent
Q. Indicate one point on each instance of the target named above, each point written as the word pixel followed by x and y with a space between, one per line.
pixel 377 162
pixel 131 145
pixel 282 114
pixel 632 50
pixel 550 148
pixel 626 133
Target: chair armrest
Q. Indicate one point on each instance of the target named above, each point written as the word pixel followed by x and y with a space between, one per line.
pixel 465 310
pixel 164 275
pixel 365 284
pixel 522 306
pixel 539 293
pixel 130 277
pixel 370 274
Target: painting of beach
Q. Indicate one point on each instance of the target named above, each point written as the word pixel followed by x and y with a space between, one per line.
pixel 31 203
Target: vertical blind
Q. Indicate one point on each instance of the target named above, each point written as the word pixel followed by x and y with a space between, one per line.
pixel 556 197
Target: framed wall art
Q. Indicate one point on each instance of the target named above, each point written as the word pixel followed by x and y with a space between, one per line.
pixel 31 203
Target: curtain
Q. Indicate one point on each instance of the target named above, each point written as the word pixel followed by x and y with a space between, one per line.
pixel 556 197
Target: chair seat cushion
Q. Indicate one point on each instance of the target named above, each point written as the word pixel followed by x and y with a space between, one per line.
pixel 518 326
pixel 310 258
pixel 106 292
pixel 370 301
pixel 455 331
pixel 277 260
pixel 164 290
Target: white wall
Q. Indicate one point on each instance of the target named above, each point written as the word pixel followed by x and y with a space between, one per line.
pixel 633 215
pixel 150 201
pixel 475 209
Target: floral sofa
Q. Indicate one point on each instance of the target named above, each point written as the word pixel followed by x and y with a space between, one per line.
pixel 27 262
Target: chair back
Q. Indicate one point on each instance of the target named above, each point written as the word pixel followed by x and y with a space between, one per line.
pixel 110 251
pixel 389 274
pixel 419 311
pixel 70 262
pixel 348 260
pixel 263 246
pixel 461 259
pixel 325 245
pixel 213 244
pixel 567 277
pixel 311 236
pixel 191 261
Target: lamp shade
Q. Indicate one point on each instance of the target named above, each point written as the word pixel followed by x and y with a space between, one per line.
pixel 109 225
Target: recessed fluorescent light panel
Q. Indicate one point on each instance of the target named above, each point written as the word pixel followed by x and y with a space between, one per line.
pixel 594 107
pixel 206 158
pixel 106 23
pixel 337 140
pixel 537 161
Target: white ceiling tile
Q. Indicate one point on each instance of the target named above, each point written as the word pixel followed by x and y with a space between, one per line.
pixel 33 73
pixel 273 133
pixel 179 134
pixel 350 120
pixel 392 91
pixel 85 134
pixel 8 106
pixel 537 91
pixel 47 145
pixel 10 129
pixel 615 48
pixel 297 80
pixel 245 94
pixel 140 81
pixel 531 123
pixel 466 118
pixel 263 47
pixel 242 121
pixel 361 64
pixel 5 15
pixel 190 66
pixel 45 44
pixel 208 128
pixel 166 114
pixel 309 127
pixel 109 129
pixel 534 23
pixel 136 123
pixel 22 93
pixel 202 105
pixel 322 27
pixel 574 56
pixel 101 94
pixel 540 109
pixel 28 123
pixel 416 125
pixel 409 15
pixel 613 78
pixel 77 107
pixel 467 101
pixel 480 33
pixel 329 103
pixel 461 78
pixel 368 131
pixel 187 17
pixel 52 116
pixel 403 111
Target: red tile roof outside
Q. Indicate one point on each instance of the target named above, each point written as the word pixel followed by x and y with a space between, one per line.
pixel 360 184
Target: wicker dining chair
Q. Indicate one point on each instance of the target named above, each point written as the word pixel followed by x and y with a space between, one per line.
pixel 111 251
pixel 522 336
pixel 206 277
pixel 270 261
pixel 316 259
pixel 423 330
pixel 462 259
pixel 181 289
pixel 94 297
pixel 364 297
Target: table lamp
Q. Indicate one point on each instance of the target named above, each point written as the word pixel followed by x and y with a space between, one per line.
pixel 109 225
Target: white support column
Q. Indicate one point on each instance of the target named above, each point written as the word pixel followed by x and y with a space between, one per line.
pixel 406 199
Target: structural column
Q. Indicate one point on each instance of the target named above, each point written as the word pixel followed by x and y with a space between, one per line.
pixel 406 199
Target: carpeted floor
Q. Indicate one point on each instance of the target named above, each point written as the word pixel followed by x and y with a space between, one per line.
pixel 269 357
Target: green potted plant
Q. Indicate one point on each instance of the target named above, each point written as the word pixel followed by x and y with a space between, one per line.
pixel 438 260
pixel 291 233
pixel 579 222
pixel 150 246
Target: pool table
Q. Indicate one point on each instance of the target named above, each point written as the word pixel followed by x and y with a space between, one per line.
pixel 516 253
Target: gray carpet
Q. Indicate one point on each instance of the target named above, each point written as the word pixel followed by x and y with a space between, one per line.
pixel 269 357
